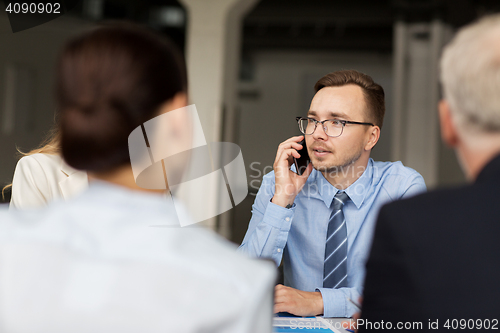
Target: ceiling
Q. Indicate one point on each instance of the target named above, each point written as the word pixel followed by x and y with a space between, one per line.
pixel 315 24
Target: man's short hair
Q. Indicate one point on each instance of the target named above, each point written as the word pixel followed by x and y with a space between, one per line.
pixel 373 92
pixel 470 75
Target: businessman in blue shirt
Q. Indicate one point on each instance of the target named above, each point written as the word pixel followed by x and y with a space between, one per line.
pixel 321 222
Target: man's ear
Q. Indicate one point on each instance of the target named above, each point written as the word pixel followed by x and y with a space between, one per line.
pixel 449 133
pixel 374 135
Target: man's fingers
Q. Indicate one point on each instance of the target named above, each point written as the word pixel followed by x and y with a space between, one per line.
pixel 300 180
pixel 307 171
pixel 287 151
pixel 284 307
pixel 280 299
pixel 297 138
pixel 280 290
pixel 291 152
pixel 283 161
pixel 297 302
pixel 283 304
pixel 280 308
pixel 293 142
pixel 281 294
pixel 280 287
pixel 290 144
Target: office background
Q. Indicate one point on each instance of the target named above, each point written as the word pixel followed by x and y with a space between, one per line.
pixel 252 67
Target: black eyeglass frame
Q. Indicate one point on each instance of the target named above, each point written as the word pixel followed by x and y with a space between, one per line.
pixel 343 122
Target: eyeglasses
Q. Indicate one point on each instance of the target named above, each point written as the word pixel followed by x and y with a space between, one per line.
pixel 332 127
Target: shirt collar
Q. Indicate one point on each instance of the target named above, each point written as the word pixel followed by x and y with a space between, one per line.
pixel 356 191
pixel 99 189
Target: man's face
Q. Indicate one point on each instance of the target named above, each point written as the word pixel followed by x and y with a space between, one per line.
pixel 344 103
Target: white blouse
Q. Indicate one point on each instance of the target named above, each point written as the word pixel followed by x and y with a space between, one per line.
pixel 41 178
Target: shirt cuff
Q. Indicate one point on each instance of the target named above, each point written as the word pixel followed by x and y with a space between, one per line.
pixel 334 303
pixel 279 217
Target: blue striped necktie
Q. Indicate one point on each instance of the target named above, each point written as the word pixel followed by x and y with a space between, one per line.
pixel 335 266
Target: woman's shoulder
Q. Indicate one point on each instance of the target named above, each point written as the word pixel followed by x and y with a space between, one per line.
pixel 43 160
pixel 38 165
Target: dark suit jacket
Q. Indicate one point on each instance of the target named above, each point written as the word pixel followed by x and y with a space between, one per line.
pixel 437 256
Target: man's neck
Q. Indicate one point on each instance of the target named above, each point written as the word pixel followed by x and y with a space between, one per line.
pixel 346 176
pixel 473 161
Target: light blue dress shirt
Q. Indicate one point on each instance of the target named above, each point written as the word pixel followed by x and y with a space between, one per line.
pixel 298 234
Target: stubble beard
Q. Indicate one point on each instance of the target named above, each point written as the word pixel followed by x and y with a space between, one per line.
pixel 340 168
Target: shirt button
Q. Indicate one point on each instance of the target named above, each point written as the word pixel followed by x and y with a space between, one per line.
pixel 287 219
pixel 279 250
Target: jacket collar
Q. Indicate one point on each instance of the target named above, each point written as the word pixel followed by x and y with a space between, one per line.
pixel 66 169
pixel 490 171
pixel 74 182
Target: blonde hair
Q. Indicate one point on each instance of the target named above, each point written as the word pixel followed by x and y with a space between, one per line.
pixel 51 145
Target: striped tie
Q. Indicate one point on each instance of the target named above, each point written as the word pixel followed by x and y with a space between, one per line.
pixel 335 268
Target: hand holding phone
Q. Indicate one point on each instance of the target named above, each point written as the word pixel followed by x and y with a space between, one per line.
pixel 304 160
pixel 288 183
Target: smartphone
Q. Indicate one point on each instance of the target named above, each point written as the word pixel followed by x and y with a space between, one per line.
pixel 304 160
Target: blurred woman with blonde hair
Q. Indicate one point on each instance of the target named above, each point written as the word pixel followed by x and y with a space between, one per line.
pixel 41 176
